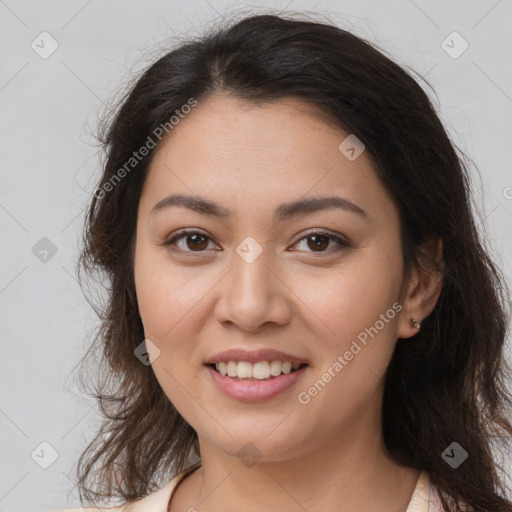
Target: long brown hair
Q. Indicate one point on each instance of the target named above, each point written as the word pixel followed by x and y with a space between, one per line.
pixel 448 383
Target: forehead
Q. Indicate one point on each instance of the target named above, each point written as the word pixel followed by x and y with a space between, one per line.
pixel 241 153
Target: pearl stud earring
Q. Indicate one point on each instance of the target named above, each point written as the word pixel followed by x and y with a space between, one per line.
pixel 414 323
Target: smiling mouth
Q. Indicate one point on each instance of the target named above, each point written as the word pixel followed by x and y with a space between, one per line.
pixel 255 372
pixel 255 382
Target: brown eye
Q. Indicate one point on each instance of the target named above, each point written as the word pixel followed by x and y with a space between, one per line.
pixel 194 241
pixel 197 242
pixel 319 241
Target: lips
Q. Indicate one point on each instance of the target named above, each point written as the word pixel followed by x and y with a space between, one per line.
pixel 259 386
pixel 254 391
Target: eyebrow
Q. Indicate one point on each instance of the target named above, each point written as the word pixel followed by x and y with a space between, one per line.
pixel 282 212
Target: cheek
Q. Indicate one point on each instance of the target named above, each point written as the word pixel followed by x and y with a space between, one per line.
pixel 169 300
pixel 168 297
pixel 356 320
pixel 346 300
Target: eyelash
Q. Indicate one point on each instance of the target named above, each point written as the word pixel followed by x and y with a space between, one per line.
pixel 186 232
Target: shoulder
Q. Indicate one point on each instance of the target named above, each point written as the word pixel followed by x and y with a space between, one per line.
pixel 143 504
pixel 157 501
pixel 435 504
pixel 424 497
pixel 154 501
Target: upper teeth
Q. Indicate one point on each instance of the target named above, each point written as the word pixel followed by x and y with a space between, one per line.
pixel 259 370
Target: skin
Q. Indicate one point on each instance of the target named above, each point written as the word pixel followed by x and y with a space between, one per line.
pixel 324 455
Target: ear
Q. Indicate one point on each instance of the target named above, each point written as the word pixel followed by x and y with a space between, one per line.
pixel 423 289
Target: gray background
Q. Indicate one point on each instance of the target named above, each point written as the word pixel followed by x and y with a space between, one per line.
pixel 49 164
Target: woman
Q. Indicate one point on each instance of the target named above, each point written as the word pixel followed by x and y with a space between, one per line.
pixel 286 224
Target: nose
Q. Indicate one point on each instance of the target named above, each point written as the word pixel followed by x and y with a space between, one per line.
pixel 254 294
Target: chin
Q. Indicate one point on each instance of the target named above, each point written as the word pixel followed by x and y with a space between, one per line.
pixel 252 445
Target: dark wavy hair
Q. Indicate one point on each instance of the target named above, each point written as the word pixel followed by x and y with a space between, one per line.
pixel 447 383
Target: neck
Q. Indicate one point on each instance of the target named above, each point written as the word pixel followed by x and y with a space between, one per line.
pixel 346 473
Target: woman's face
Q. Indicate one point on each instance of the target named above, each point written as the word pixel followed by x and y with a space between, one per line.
pixel 252 278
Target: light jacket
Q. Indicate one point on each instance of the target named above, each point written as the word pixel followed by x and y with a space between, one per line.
pixel 424 497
